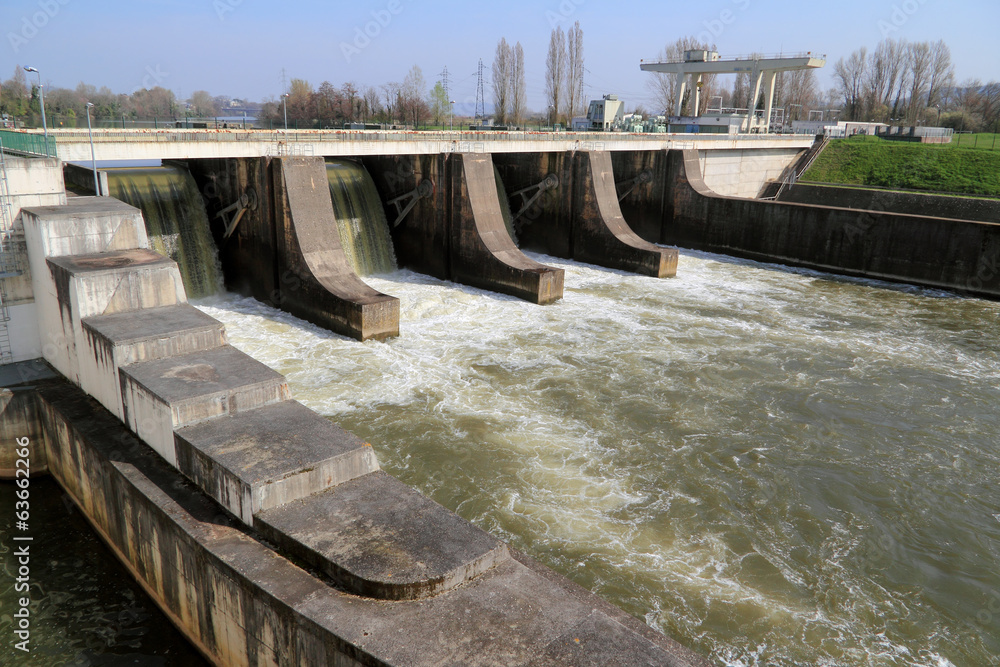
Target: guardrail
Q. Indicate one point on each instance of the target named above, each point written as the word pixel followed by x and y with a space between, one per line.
pixel 313 136
pixel 27 143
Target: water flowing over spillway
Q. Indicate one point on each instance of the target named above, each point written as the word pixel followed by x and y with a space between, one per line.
pixel 774 467
pixel 361 222
pixel 175 221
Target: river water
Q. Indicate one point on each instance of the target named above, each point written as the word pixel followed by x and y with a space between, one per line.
pixel 774 467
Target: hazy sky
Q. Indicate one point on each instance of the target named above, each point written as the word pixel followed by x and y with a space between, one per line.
pixel 239 47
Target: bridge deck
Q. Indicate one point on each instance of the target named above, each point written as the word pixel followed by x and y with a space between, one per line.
pixel 74 145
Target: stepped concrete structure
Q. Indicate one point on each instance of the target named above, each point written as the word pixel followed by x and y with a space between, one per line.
pixel 211 484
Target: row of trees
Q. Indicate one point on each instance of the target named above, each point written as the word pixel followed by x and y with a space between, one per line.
pixel 914 83
pixel 897 80
pixel 509 89
pixel 21 99
pixel 564 73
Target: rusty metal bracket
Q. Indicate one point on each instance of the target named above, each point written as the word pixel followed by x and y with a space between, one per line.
pixel 246 202
pixel 405 203
pixel 645 176
pixel 551 182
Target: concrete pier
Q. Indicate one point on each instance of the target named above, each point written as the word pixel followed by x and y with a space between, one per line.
pixel 319 283
pixel 482 252
pixel 600 233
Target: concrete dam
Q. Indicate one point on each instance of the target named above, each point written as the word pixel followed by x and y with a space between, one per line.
pixel 278 541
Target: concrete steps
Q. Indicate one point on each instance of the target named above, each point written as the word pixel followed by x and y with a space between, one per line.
pixel 227 422
pixel 115 282
pixel 378 538
pixel 162 395
pixel 264 458
pixel 121 339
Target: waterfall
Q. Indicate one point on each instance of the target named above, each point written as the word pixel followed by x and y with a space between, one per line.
pixel 508 218
pixel 361 221
pixel 176 221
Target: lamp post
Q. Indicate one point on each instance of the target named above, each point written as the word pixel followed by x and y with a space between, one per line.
pixel 41 100
pixel 451 109
pixel 284 104
pixel 93 158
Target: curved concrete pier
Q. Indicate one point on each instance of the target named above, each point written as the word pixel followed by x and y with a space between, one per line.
pixel 483 254
pixel 320 284
pixel 600 234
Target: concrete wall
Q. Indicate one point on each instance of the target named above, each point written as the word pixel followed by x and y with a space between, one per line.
pixel 743 172
pixel 31 182
pixel 20 418
pixel 910 203
pixel 81 179
pixel 935 252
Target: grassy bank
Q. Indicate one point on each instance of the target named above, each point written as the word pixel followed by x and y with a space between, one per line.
pixel 871 161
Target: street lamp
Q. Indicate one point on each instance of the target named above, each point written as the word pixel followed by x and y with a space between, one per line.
pixel 41 100
pixel 284 104
pixel 93 158
pixel 451 108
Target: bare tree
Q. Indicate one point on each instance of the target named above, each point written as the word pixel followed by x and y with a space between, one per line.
pixel 881 78
pixel 555 72
pixel 574 70
pixel 920 61
pixel 849 76
pixel 519 90
pixel 942 73
pixel 502 72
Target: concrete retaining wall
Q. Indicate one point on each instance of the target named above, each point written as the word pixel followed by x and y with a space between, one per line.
pixel 742 172
pixel 935 252
pixel 31 182
pixel 909 203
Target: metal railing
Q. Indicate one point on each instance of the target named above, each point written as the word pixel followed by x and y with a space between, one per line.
pixel 314 136
pixel 27 143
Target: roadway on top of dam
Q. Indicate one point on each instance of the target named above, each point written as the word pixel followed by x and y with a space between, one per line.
pixel 163 144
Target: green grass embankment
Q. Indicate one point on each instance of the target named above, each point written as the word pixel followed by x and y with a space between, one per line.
pixel 875 162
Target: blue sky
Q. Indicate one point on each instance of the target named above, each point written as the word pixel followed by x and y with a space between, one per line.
pixel 239 47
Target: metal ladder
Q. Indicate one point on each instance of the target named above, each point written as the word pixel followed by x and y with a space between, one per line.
pixel 8 265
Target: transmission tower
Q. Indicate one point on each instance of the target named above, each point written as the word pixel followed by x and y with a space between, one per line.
pixel 480 96
pixel 446 82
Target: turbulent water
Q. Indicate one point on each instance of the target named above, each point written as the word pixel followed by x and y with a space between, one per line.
pixel 775 468
pixel 176 221
pixel 361 222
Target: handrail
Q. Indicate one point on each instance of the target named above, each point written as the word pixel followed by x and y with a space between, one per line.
pixel 27 143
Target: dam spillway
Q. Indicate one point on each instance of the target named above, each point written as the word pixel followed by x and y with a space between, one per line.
pixel 730 455
pixel 640 324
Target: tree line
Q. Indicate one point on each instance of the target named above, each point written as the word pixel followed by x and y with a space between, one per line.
pixel 914 83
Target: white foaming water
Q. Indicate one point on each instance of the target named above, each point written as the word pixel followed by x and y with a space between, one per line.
pixel 775 467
